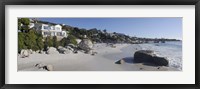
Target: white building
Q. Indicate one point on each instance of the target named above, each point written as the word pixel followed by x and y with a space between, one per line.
pixel 49 30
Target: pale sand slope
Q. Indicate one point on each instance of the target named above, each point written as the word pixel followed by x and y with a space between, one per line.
pixel 103 61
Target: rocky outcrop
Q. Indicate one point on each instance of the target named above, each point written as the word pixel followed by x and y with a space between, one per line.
pixel 149 56
pixel 52 50
pixel 24 53
pixel 86 45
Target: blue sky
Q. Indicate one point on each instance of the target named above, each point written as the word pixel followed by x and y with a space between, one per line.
pixel 140 27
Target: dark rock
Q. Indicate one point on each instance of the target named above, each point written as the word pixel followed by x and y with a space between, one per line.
pixel 160 61
pixel 143 56
pixel 119 61
pixel 148 56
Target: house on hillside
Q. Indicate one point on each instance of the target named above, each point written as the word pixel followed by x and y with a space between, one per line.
pixel 50 30
pixel 47 29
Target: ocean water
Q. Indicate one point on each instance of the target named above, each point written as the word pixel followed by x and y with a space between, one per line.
pixel 172 50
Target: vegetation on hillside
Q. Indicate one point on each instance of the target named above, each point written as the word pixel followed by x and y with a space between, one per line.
pixel 28 38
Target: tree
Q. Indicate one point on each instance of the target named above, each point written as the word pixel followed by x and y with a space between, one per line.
pixel 19 24
pixel 25 24
pixel 40 43
pixel 55 42
pixel 49 41
pixel 25 21
pixel 63 42
pixel 30 40
pixel 21 44
pixel 71 39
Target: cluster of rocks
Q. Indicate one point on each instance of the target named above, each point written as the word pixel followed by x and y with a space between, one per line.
pixel 67 50
pixel 85 45
pixel 44 66
pixel 26 52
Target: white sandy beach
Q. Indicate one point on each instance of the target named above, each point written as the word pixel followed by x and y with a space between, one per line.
pixel 103 61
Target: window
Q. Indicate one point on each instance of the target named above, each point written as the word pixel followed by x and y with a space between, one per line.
pixel 45 33
pixel 46 27
pixel 57 28
pixel 59 33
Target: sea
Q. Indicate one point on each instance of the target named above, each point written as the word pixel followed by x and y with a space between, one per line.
pixel 170 49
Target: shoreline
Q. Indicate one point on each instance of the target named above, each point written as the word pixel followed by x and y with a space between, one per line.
pixel 103 61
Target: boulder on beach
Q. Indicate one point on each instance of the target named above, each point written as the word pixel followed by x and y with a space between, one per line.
pixel 149 56
pixel 86 45
pixel 121 61
pixel 39 65
pixel 42 52
pixel 33 52
pixel 63 50
pixel 52 50
pixel 69 47
pixel 93 53
pixel 72 45
pixel 160 61
pixel 30 51
pixel 38 51
pixel 24 53
pixel 49 67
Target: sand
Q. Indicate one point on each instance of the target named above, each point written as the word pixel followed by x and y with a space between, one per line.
pixel 104 60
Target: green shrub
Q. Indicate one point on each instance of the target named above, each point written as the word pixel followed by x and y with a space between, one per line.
pixel 69 40
pixel 30 40
pixel 63 42
pixel 55 42
pixel 25 21
pixel 40 43
pixel 72 39
pixel 21 44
